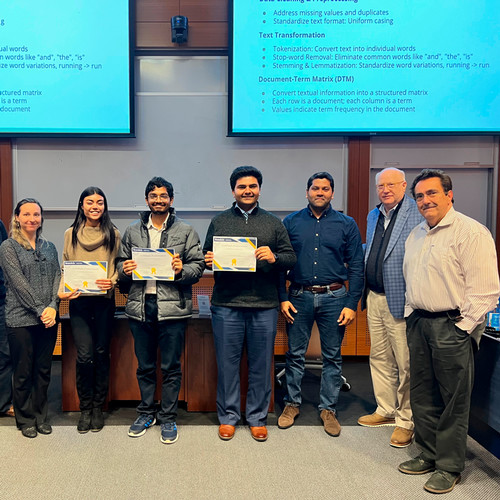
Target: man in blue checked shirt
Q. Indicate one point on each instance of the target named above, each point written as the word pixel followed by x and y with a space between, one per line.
pixel 329 253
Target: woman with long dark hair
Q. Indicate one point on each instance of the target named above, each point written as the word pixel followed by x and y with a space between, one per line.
pixel 92 237
pixel 32 274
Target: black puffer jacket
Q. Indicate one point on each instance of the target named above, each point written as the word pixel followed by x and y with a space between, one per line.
pixel 174 297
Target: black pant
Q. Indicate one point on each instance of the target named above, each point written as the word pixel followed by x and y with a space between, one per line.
pixel 91 323
pixel 441 380
pixel 5 364
pixel 168 335
pixel 31 351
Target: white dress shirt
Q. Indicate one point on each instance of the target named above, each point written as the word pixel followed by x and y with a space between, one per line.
pixel 154 242
pixel 452 266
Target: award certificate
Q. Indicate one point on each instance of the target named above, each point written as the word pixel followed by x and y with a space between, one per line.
pixel 234 253
pixel 82 274
pixel 153 264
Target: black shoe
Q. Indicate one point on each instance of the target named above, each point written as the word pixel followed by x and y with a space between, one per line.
pixel 442 481
pixel 97 420
pixel 84 422
pixel 44 428
pixel 29 432
pixel 418 465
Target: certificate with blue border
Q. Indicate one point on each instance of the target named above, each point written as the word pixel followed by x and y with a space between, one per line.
pixel 234 253
pixel 82 275
pixel 153 264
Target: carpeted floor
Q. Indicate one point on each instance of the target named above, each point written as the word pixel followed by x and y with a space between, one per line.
pixel 298 463
pixel 302 462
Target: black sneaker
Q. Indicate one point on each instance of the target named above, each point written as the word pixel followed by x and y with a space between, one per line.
pixel 97 420
pixel 141 425
pixel 84 422
pixel 169 433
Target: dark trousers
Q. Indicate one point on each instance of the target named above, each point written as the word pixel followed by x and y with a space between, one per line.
pixel 169 337
pixel 31 351
pixel 91 324
pixel 233 328
pixel 441 380
pixel 5 364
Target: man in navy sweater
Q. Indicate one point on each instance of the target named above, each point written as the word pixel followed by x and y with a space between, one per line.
pixel 245 305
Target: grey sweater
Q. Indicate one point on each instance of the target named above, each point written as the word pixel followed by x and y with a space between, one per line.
pixel 259 289
pixel 32 280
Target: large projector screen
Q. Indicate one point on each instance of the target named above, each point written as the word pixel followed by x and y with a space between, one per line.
pixel 66 68
pixel 364 67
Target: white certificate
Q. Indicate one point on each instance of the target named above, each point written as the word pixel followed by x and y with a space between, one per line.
pixel 234 253
pixel 82 274
pixel 153 264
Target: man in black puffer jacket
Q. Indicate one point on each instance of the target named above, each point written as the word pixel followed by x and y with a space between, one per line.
pixel 158 309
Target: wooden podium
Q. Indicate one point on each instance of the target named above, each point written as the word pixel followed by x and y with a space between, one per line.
pixel 199 367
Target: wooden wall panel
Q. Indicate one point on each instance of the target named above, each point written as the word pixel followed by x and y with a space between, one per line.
pixel 204 10
pixel 358 187
pixel 153 35
pixel 207 35
pixel 207 23
pixel 156 10
pixel 201 36
pixel 6 202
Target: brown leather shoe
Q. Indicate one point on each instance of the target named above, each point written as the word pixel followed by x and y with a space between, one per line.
pixel 10 412
pixel 376 420
pixel 259 433
pixel 226 432
pixel 287 418
pixel 330 422
pixel 401 437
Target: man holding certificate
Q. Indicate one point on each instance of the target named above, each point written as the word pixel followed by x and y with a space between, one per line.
pixel 247 247
pixel 329 253
pixel 161 258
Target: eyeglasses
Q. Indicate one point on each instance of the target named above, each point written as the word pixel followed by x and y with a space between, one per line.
pixel 162 197
pixel 390 186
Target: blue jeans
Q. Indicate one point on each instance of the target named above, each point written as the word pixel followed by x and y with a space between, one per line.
pixel 325 309
pixel 168 335
pixel 233 328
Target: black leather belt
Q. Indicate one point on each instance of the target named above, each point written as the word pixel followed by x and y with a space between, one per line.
pixel 321 288
pixel 452 314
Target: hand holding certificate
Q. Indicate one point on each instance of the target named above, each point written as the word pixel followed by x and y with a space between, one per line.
pixel 234 253
pixel 153 264
pixel 82 276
